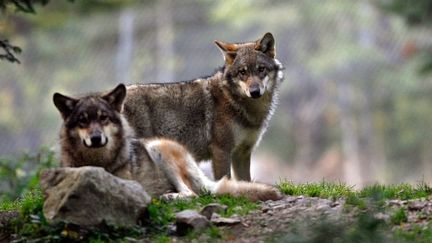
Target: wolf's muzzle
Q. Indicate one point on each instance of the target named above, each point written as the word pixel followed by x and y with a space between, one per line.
pixel 255 92
pixel 96 140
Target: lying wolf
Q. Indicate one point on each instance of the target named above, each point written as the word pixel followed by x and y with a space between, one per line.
pixel 221 117
pixel 95 133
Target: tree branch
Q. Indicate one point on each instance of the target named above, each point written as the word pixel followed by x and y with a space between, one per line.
pixel 9 51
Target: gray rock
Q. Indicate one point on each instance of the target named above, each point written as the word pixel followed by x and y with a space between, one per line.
pixel 416 205
pixel 221 221
pixel 88 196
pixel 211 208
pixel 190 220
pixel 382 216
pixel 323 207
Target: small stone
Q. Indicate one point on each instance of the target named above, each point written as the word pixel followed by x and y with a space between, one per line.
pixel 382 216
pixel 334 204
pixel 279 207
pixel 290 199
pixel 265 209
pixel 394 202
pixel 220 221
pixel 211 208
pixel 416 205
pixel 190 220
pixel 323 207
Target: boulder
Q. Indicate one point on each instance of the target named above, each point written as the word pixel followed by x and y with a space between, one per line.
pixel 89 196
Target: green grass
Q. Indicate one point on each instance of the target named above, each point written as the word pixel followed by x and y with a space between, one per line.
pixel 322 189
pixel 401 191
pixel 399 216
pixel 338 190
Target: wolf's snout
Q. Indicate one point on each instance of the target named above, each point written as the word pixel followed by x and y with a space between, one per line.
pixel 255 91
pixel 96 140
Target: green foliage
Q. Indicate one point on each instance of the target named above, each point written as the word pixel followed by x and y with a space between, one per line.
pixel 26 6
pixel 212 232
pixel 399 216
pixel 353 200
pixel 22 174
pixel 414 12
pixel 9 51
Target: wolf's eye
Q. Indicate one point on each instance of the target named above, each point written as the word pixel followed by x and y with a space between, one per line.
pixel 242 71
pixel 104 118
pixel 82 120
pixel 261 69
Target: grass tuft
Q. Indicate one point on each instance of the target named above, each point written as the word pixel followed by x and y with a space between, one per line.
pixel 401 191
pixel 399 216
pixel 323 189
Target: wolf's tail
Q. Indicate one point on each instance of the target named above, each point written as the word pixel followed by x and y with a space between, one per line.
pixel 251 190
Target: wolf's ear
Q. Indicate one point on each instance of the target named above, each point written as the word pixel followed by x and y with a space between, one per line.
pixel 228 50
pixel 116 97
pixel 266 45
pixel 64 104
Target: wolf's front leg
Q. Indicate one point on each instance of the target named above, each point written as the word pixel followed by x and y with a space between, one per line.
pixel 240 166
pixel 221 161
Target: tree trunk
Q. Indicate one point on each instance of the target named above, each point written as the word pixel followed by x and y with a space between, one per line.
pixel 125 46
pixel 164 41
pixel 349 137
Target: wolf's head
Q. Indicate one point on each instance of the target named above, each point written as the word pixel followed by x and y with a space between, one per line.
pixel 92 122
pixel 251 67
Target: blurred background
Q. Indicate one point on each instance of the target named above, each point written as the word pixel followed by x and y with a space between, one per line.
pixel 355 106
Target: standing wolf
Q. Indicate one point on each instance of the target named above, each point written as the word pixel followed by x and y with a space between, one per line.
pixel 95 133
pixel 221 117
